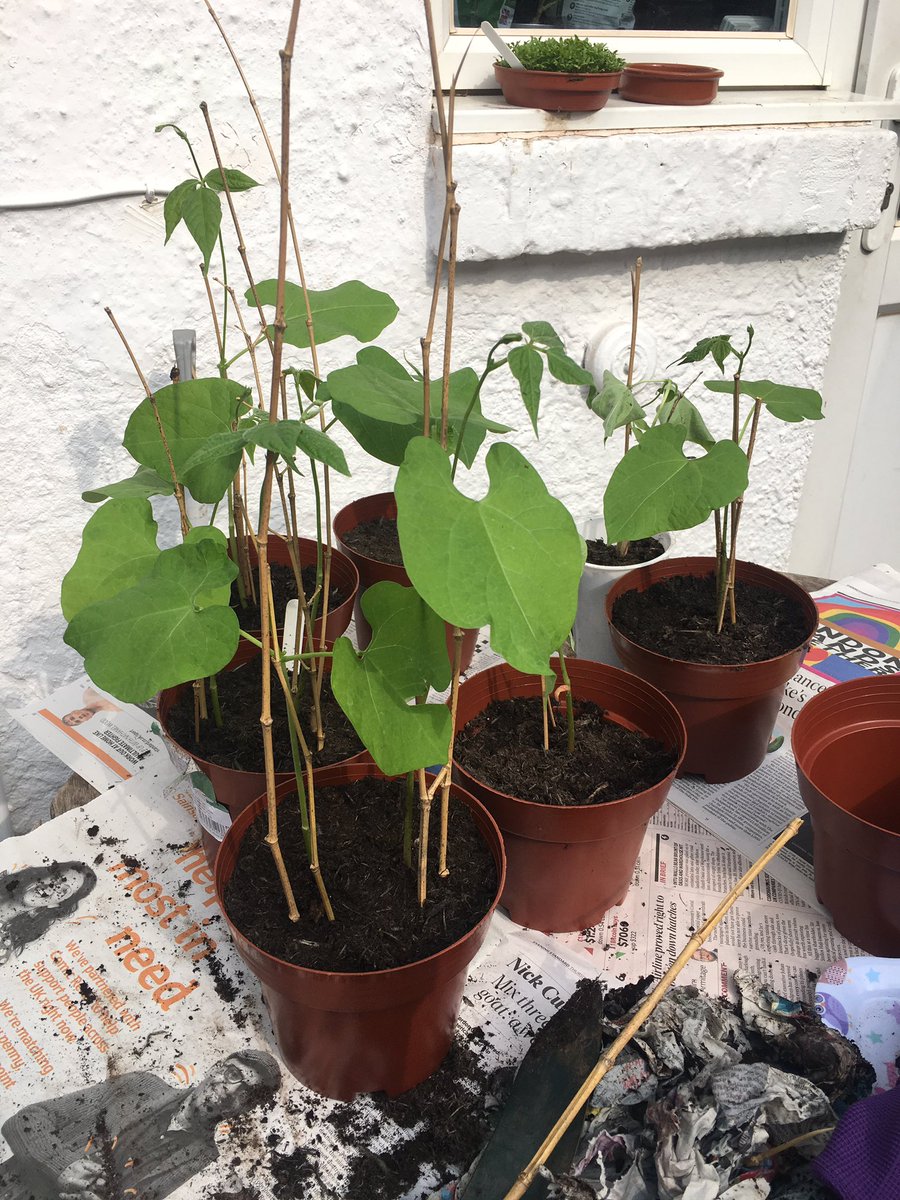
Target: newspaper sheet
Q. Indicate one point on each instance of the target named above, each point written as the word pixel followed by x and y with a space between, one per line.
pixel 858 636
pixel 128 995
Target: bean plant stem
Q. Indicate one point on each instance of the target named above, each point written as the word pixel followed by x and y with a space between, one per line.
pixel 570 703
pixel 266 497
pixel 622 547
pixel 458 636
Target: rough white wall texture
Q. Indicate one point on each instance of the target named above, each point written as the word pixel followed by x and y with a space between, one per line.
pixel 83 87
pixel 545 195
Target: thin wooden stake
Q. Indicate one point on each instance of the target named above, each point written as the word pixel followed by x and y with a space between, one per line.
pixel 262 541
pixel 308 765
pixel 525 1177
pixel 424 817
pixel 458 636
pixel 179 491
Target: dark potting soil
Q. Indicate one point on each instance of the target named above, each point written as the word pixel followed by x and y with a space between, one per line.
pixel 503 747
pixel 378 921
pixel 238 743
pixel 599 554
pixel 677 618
pixel 376 539
pixel 284 588
pixel 446 1120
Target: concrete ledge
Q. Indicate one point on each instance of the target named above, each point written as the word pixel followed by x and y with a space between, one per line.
pixel 543 195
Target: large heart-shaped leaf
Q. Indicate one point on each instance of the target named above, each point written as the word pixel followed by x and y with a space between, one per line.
pixel 406 656
pixel 143 484
pixel 382 406
pixel 158 633
pixel 351 309
pixel 118 547
pixel 511 560
pixel 615 404
pixel 785 403
pixel 190 412
pixel 657 488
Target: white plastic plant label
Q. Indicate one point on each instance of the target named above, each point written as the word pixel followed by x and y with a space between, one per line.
pixel 212 816
pixel 289 640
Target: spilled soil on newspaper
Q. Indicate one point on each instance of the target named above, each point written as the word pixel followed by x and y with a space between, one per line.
pixel 677 618
pixel 379 923
pixel 503 747
pixel 237 742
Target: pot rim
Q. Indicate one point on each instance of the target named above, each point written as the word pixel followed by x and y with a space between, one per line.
pixel 796 591
pixel 242 822
pixel 673 72
pixel 618 572
pixel 560 76
pixel 349 552
pixel 608 805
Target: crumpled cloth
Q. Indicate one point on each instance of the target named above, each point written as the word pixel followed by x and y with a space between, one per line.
pixel 705 1086
pixel 862 1160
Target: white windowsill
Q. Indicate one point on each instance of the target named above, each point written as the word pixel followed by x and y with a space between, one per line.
pixel 486 115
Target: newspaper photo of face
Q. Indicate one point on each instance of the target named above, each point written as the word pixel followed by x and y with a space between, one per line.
pixel 132 1135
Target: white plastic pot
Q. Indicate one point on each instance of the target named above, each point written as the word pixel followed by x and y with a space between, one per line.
pixel 591 631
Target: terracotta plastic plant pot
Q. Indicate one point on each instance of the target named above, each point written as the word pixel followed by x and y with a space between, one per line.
pixel 342 1033
pixel 556 91
pixel 669 83
pixel 847 745
pixel 565 866
pixel 344 576
pixel 591 630
pixel 234 789
pixel 370 508
pixel 730 710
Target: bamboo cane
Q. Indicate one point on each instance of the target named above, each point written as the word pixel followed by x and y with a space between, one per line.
pixel 525 1177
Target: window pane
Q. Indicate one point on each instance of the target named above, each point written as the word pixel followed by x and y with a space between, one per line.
pixel 742 16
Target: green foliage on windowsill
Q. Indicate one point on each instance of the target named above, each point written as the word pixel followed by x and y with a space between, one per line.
pixel 570 54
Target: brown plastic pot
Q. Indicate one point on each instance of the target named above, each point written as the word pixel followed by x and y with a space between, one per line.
pixel 847 745
pixel 556 91
pixel 235 789
pixel 729 710
pixel 370 508
pixel 342 1033
pixel 344 576
pixel 669 83
pixel 565 866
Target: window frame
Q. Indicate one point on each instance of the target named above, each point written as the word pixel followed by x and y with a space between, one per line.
pixel 818 50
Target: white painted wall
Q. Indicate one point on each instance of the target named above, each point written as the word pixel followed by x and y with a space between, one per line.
pixel 84 85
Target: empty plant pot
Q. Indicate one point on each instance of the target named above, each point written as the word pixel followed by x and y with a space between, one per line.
pixel 372 570
pixel 669 83
pixel 729 710
pixel 556 91
pixel 847 745
pixel 566 865
pixel 342 1033
pixel 591 630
